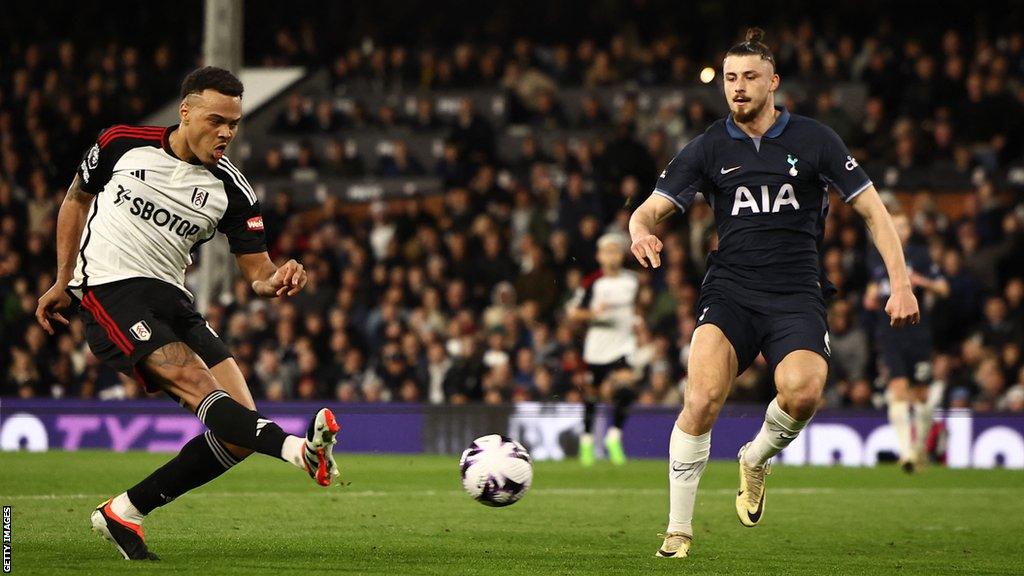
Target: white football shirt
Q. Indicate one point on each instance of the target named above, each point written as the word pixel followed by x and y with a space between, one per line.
pixel 611 334
pixel 152 210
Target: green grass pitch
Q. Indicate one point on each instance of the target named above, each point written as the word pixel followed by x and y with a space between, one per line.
pixel 408 515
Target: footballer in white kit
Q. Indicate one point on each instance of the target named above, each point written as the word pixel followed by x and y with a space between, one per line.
pixel 151 211
pixel 142 200
pixel 607 303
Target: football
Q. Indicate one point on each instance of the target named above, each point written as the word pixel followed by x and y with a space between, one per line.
pixel 496 470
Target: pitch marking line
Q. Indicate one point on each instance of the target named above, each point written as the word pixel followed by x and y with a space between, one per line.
pixel 555 492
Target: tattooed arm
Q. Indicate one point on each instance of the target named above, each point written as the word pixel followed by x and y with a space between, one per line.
pixel 70 223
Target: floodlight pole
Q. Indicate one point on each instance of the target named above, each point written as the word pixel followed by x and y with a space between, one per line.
pixel 222 47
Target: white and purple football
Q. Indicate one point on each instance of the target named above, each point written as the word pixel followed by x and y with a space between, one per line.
pixel 496 470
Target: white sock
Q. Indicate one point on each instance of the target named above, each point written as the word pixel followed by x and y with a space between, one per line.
pixel 778 430
pixel 922 425
pixel 613 435
pixel 293 450
pixel 688 455
pixel 124 508
pixel 587 438
pixel 899 418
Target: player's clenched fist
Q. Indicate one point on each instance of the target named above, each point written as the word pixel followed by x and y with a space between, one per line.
pixel 647 249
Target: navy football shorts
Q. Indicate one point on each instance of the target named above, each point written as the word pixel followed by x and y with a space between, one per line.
pixel 772 324
pixel 906 355
pixel 128 320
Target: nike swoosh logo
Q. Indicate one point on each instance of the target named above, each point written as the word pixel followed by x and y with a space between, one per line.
pixel 724 171
pixel 756 515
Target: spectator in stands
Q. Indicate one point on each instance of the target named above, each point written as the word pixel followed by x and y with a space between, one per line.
pixel 828 112
pixel 547 112
pixel 576 202
pixel 274 164
pixel 399 162
pixel 425 119
pixel 848 343
pixel 306 163
pixel 418 285
pixel 387 118
pixel 326 119
pixel 698 118
pixel 602 72
pixel 472 133
pixel 997 329
pixel 592 114
pixel 338 162
pixel 295 118
pixel 451 168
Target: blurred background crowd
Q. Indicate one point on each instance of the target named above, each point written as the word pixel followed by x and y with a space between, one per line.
pixel 459 295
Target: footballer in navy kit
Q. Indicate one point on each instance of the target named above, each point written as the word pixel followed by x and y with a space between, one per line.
pixel 767 174
pixel 906 354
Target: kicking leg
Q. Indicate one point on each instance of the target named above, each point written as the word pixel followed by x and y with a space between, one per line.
pixel 713 366
pixel 799 380
pixel 201 460
pixel 184 375
pixel 179 371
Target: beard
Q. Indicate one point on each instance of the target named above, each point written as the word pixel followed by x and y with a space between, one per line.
pixel 751 111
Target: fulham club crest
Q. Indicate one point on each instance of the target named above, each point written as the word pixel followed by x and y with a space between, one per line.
pixel 93 159
pixel 141 331
pixel 199 197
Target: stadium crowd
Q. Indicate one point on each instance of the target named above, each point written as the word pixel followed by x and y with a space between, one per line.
pixel 952 105
pixel 461 298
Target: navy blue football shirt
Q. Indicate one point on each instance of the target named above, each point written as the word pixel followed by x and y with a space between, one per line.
pixel 769 196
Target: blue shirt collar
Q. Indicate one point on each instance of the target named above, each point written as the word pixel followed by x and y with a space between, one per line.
pixel 773 132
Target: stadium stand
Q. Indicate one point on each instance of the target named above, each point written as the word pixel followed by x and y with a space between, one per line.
pixel 446 198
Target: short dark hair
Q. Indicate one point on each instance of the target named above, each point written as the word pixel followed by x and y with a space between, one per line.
pixel 211 77
pixel 753 46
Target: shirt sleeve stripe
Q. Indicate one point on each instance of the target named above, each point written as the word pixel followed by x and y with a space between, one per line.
pixel 866 185
pixel 239 180
pixel 234 175
pixel 240 175
pixel 671 198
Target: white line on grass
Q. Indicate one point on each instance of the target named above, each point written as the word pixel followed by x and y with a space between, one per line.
pixel 550 492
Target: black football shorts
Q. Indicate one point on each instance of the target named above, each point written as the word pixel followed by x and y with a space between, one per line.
pixel 599 372
pixel 772 324
pixel 907 354
pixel 127 320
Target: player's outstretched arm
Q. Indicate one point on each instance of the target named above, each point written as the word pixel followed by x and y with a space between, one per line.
pixel 646 246
pixel 902 305
pixel 271 281
pixel 70 223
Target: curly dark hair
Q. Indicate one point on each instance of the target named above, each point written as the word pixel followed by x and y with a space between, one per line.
pixel 213 78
